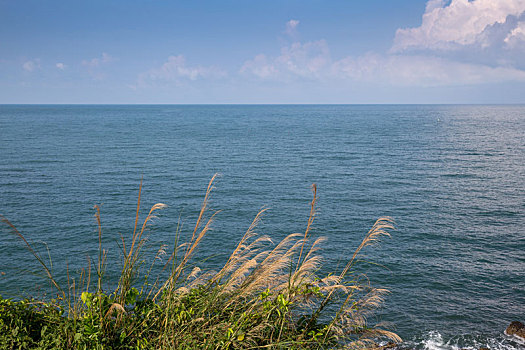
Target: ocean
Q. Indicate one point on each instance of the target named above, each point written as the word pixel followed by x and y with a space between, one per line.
pixel 452 177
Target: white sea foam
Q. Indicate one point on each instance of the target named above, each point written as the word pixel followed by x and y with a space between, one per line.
pixel 434 340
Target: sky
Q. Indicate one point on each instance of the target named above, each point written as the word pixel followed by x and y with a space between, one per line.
pixel 247 51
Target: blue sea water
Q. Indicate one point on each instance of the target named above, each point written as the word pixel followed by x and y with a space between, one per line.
pixel 453 178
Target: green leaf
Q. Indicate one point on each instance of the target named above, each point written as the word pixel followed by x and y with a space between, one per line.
pixel 122 336
pixel 131 296
pixel 86 298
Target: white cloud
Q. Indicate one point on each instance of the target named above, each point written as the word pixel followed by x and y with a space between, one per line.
pixel 408 70
pixel 61 66
pixel 30 66
pixel 309 60
pixel 461 23
pixel 517 35
pixel 291 28
pixel 312 61
pixel 457 24
pixel 175 69
pixel 432 4
pixel 96 62
pixel 260 67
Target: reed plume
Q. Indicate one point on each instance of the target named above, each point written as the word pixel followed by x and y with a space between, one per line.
pixel 264 295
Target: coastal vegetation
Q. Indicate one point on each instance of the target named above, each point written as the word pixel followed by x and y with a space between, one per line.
pixel 266 295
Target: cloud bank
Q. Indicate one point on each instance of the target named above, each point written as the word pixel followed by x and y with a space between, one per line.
pixel 311 61
pixel 459 42
pixel 308 61
pixel 464 24
pixel 176 70
pixel 424 71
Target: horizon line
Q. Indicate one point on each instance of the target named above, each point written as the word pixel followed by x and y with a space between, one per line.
pixel 262 104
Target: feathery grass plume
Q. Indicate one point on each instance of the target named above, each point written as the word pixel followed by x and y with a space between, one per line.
pixel 131 258
pixel 189 247
pixel 264 296
pixel 243 250
pixel 380 228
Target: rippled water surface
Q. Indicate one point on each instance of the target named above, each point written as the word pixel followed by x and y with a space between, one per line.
pixel 453 178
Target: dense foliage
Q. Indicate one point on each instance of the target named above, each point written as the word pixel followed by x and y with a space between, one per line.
pixel 263 297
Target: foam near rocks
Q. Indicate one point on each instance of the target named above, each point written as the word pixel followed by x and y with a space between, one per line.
pixel 434 340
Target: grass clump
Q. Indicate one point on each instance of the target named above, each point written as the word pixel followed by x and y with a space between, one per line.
pixel 264 296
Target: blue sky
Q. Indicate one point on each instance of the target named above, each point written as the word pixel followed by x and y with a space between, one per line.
pixel 160 51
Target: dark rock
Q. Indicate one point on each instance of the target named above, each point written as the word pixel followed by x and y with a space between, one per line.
pixel 516 329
